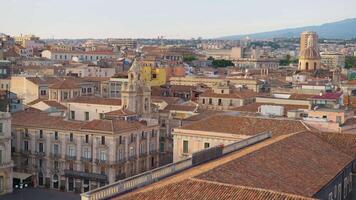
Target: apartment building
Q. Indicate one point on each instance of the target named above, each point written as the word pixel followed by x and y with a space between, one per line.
pixel 59 55
pixel 32 88
pixel 80 156
pixel 224 96
pixel 90 108
pixel 6 163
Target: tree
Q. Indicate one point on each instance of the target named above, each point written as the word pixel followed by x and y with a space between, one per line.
pixel 222 63
pixel 350 61
pixel 189 58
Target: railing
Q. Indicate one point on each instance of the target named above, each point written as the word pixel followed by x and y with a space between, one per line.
pixel 146 178
pixel 136 181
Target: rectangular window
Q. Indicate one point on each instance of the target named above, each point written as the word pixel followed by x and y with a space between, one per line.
pixel 103 140
pixel 185 146
pixel 72 115
pixel 56 135
pixel 86 138
pixel 121 154
pixel 1 157
pixel 132 152
pixel 56 164
pixel 40 147
pixel 219 102
pixel 1 128
pixel 41 133
pixel 86 116
pixel 56 149
pixel 40 163
pixel 86 153
pixel 103 155
pixel 206 145
pixel 210 101
pixel 203 101
pixel 71 137
pixel 25 145
pixel 71 151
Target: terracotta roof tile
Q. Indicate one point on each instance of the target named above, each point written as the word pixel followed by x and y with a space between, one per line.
pixel 64 84
pixel 300 164
pixel 193 189
pixel 96 100
pixel 245 125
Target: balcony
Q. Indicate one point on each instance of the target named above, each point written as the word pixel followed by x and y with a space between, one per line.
pixel 6 164
pixel 122 161
pixel 98 161
pixel 40 153
pixel 84 159
pixel 71 157
pixel 55 155
pixel 131 158
pixel 25 151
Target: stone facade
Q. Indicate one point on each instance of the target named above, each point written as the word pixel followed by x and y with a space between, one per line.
pixel 82 159
pixel 6 163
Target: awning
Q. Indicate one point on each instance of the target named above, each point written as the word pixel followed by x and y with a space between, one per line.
pixel 21 176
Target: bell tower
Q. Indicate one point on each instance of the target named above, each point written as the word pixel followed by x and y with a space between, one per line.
pixel 136 93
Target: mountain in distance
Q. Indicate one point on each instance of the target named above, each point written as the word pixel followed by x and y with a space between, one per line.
pixel 345 29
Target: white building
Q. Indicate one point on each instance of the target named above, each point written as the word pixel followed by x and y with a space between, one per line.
pixel 333 60
pixel 80 55
pixel 90 71
pixel 90 108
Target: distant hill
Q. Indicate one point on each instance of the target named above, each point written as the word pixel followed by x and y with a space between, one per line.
pixel 345 29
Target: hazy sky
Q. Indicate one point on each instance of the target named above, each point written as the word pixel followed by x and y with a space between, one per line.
pixel 169 18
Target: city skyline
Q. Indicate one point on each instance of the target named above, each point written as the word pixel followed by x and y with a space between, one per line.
pixel 176 19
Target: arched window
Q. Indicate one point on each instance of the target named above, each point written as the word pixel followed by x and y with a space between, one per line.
pixel 306 65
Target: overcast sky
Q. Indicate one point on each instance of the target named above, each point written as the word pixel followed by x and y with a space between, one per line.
pixel 168 18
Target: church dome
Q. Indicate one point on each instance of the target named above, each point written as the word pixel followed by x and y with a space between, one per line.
pixel 310 53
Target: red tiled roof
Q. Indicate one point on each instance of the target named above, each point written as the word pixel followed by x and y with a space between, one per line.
pixel 120 112
pixel 193 189
pixel 114 125
pixel 96 100
pixel 64 84
pixel 178 107
pixel 300 164
pixel 328 96
pixel 245 125
pixel 43 120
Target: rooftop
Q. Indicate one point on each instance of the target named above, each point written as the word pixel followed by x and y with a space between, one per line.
pixel 300 164
pixel 245 125
pixel 96 100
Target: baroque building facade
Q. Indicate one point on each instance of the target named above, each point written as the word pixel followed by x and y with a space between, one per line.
pixel 6 163
pixel 81 156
